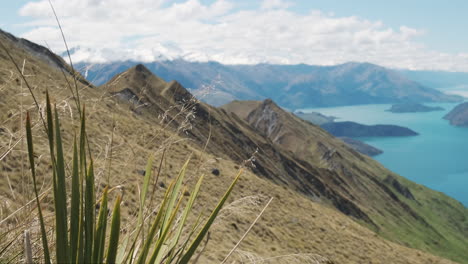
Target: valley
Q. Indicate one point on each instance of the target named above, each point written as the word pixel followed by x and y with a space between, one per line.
pixel 330 202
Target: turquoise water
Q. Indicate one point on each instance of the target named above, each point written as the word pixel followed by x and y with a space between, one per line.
pixel 437 158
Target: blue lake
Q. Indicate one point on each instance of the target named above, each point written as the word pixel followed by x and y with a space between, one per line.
pixel 437 158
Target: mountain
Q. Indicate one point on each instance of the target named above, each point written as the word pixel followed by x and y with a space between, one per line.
pixel 437 79
pixel 45 55
pixel 353 174
pixel 329 200
pixel 291 86
pixel 315 117
pixel 243 108
pixel 353 129
pixel 361 147
pixel 458 116
pixel 413 108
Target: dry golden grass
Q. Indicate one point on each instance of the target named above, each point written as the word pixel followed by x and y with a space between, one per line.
pixel 293 228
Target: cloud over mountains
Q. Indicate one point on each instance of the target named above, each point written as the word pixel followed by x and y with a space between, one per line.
pixel 225 31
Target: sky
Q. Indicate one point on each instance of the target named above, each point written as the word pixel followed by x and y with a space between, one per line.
pixel 416 34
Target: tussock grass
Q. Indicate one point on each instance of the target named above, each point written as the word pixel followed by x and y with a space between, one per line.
pixel 80 237
pixel 80 234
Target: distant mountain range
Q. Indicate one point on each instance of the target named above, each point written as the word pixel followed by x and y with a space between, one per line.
pixel 322 189
pixel 437 79
pixel 291 86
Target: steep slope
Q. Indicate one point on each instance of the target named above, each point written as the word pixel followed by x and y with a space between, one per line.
pixel 291 86
pixel 127 123
pixel 360 179
pixel 44 54
pixel 458 116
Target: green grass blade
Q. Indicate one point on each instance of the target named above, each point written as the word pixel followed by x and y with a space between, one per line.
pixel 187 210
pixel 156 256
pixel 187 240
pixel 61 202
pixel 75 205
pixel 100 235
pixel 89 214
pixel 82 178
pixel 80 246
pixel 122 249
pixel 114 233
pixel 143 194
pixel 191 250
pixel 50 127
pixel 175 191
pixel 154 227
pixel 144 190
pixel 45 246
pixel 83 164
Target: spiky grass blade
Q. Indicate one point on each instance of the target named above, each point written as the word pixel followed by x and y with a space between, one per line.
pixel 179 254
pixel 122 249
pixel 75 205
pixel 191 250
pixel 114 233
pixel 45 245
pixel 175 191
pixel 154 227
pixel 50 128
pixel 61 201
pixel 100 235
pixel 89 214
pixel 156 256
pixel 82 178
pixel 140 224
pixel 181 224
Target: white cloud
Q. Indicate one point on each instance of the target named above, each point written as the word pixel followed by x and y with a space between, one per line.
pixel 146 30
pixel 275 4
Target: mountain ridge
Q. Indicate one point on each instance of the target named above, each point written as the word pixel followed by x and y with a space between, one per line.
pixel 291 86
pixel 312 196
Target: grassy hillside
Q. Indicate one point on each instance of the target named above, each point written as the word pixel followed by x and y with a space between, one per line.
pixel 138 114
pixel 396 208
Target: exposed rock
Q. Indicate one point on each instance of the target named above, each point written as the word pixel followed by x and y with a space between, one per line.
pixel 215 172
pixel 403 190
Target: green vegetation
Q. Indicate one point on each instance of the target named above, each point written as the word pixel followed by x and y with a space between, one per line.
pixel 168 240
pixel 119 134
pixel 80 237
